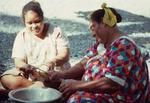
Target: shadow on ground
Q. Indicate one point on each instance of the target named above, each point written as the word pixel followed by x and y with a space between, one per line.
pixel 77 32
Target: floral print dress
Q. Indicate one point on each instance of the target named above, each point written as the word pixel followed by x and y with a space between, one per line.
pixel 122 63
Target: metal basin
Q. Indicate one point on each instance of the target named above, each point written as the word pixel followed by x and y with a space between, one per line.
pixel 35 95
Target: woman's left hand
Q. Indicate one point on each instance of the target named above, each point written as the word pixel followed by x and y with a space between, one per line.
pixel 68 87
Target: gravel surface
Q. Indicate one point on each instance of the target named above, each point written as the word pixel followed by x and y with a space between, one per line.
pixel 74 23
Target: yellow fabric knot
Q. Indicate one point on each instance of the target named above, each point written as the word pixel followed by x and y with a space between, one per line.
pixel 109 17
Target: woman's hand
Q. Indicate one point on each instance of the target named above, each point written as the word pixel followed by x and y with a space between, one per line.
pixel 54 79
pixel 68 87
pixel 30 71
pixel 27 70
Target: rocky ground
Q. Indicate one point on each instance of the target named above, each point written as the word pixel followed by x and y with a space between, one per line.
pixel 72 18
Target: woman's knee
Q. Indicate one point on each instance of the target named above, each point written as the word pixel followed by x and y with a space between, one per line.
pixel 11 82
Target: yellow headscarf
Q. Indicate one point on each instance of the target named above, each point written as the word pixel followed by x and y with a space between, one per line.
pixel 109 17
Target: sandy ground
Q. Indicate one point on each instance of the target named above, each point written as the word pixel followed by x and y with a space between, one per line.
pixel 71 15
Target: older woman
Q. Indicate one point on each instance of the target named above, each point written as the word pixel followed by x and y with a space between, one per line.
pixel 118 75
pixel 39 47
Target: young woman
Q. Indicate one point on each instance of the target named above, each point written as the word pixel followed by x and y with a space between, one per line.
pixel 39 47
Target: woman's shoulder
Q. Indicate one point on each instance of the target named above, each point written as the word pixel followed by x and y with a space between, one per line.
pixel 21 32
pixel 125 44
pixel 54 30
pixel 124 40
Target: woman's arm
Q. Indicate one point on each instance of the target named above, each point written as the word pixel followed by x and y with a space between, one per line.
pixel 74 72
pixel 62 57
pixel 102 85
pixel 62 48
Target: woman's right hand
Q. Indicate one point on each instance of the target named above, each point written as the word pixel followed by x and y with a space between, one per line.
pixel 27 69
pixel 54 79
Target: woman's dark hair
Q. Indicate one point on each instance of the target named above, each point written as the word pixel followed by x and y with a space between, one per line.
pixel 34 6
pixel 99 14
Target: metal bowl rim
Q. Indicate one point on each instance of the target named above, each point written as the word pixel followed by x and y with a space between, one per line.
pixel 12 92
